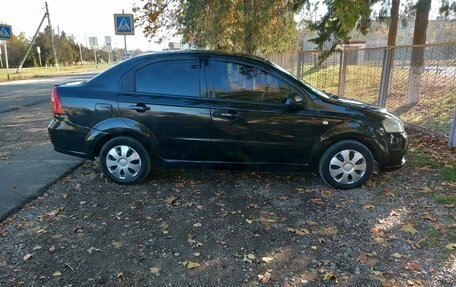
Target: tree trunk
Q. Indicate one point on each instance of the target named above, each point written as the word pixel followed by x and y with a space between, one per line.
pixel 392 34
pixel 393 23
pixel 417 57
pixel 249 47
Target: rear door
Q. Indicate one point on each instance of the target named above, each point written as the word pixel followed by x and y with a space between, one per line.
pixel 250 120
pixel 168 97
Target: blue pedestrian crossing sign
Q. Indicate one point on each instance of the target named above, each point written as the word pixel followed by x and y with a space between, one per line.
pixel 124 24
pixel 5 32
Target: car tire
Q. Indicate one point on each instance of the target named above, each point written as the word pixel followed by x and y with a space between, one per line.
pixel 346 164
pixel 125 160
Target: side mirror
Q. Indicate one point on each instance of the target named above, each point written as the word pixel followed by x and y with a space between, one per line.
pixel 295 101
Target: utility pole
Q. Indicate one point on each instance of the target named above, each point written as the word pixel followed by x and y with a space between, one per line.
pixel 56 62
pixel 80 54
pixel 19 68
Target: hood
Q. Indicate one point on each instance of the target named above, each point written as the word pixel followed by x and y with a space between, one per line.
pixel 361 107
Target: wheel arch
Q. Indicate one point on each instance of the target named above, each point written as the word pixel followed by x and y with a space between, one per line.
pixel 115 127
pixel 325 141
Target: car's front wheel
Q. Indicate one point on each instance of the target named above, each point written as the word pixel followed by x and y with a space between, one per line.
pixel 124 160
pixel 346 164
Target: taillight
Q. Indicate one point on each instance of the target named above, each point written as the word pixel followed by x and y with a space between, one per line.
pixel 57 108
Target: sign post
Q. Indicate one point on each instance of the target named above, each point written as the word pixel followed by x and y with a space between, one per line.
pixel 108 47
pixel 5 34
pixel 38 49
pixel 124 25
pixel 94 43
pixel 1 58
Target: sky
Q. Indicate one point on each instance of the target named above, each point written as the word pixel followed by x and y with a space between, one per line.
pixel 86 18
pixel 81 18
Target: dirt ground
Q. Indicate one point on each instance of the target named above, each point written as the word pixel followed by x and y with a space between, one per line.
pixel 239 228
pixel 23 128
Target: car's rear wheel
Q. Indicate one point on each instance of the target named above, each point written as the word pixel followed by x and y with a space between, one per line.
pixel 346 164
pixel 124 160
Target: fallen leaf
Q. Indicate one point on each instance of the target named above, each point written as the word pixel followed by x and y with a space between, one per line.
pixel 300 232
pixel 428 217
pixel 52 248
pixel 197 254
pixel 412 266
pixel 314 247
pixel 368 206
pixel 191 264
pixel 248 258
pixel 362 258
pixel 57 273
pixel 65 196
pixel 396 255
pixel 155 271
pixel 120 276
pixel 27 257
pixel 197 225
pixel 117 244
pixel 409 229
pixel 249 221
pixel 170 200
pixel 266 259
pixel 330 276
pixel 92 249
pixel 451 246
pixel 264 278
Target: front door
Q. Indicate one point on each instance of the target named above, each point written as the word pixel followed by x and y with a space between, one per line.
pixel 250 122
pixel 166 97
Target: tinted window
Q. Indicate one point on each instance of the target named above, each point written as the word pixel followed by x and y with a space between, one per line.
pixel 179 78
pixel 243 82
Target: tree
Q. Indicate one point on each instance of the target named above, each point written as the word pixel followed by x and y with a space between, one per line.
pixel 249 26
pixel 417 57
pixel 393 23
pixel 16 50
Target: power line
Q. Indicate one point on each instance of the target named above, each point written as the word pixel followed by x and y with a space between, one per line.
pixel 23 14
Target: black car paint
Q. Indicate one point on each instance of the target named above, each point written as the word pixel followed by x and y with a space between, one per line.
pixel 187 130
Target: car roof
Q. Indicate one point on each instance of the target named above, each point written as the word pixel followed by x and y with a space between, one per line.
pixel 201 53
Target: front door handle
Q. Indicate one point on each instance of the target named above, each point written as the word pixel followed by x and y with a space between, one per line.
pixel 230 115
pixel 140 108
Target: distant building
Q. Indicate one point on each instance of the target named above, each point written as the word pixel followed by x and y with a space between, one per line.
pixel 439 30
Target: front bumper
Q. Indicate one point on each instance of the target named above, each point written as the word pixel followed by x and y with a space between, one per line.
pixel 396 146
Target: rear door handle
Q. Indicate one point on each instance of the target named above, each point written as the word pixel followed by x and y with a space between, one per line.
pixel 140 108
pixel 230 115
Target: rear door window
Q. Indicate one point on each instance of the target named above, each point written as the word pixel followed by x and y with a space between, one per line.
pixel 176 78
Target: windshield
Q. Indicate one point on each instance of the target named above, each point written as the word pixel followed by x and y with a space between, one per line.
pixel 306 85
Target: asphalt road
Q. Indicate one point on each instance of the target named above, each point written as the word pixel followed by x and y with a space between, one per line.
pixel 30 172
pixel 17 94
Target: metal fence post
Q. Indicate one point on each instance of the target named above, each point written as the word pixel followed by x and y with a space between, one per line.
pixel 452 139
pixel 299 67
pixel 342 73
pixel 386 77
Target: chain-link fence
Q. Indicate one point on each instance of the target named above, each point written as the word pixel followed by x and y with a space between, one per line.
pixel 416 82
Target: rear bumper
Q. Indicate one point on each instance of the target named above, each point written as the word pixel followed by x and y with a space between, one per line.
pixel 67 137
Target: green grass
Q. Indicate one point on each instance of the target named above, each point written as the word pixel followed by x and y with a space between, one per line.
pixel 434 109
pixel 28 73
pixel 445 199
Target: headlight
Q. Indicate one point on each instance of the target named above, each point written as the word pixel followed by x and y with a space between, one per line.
pixel 393 125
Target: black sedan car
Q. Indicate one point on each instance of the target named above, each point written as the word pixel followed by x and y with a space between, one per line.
pixel 215 109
